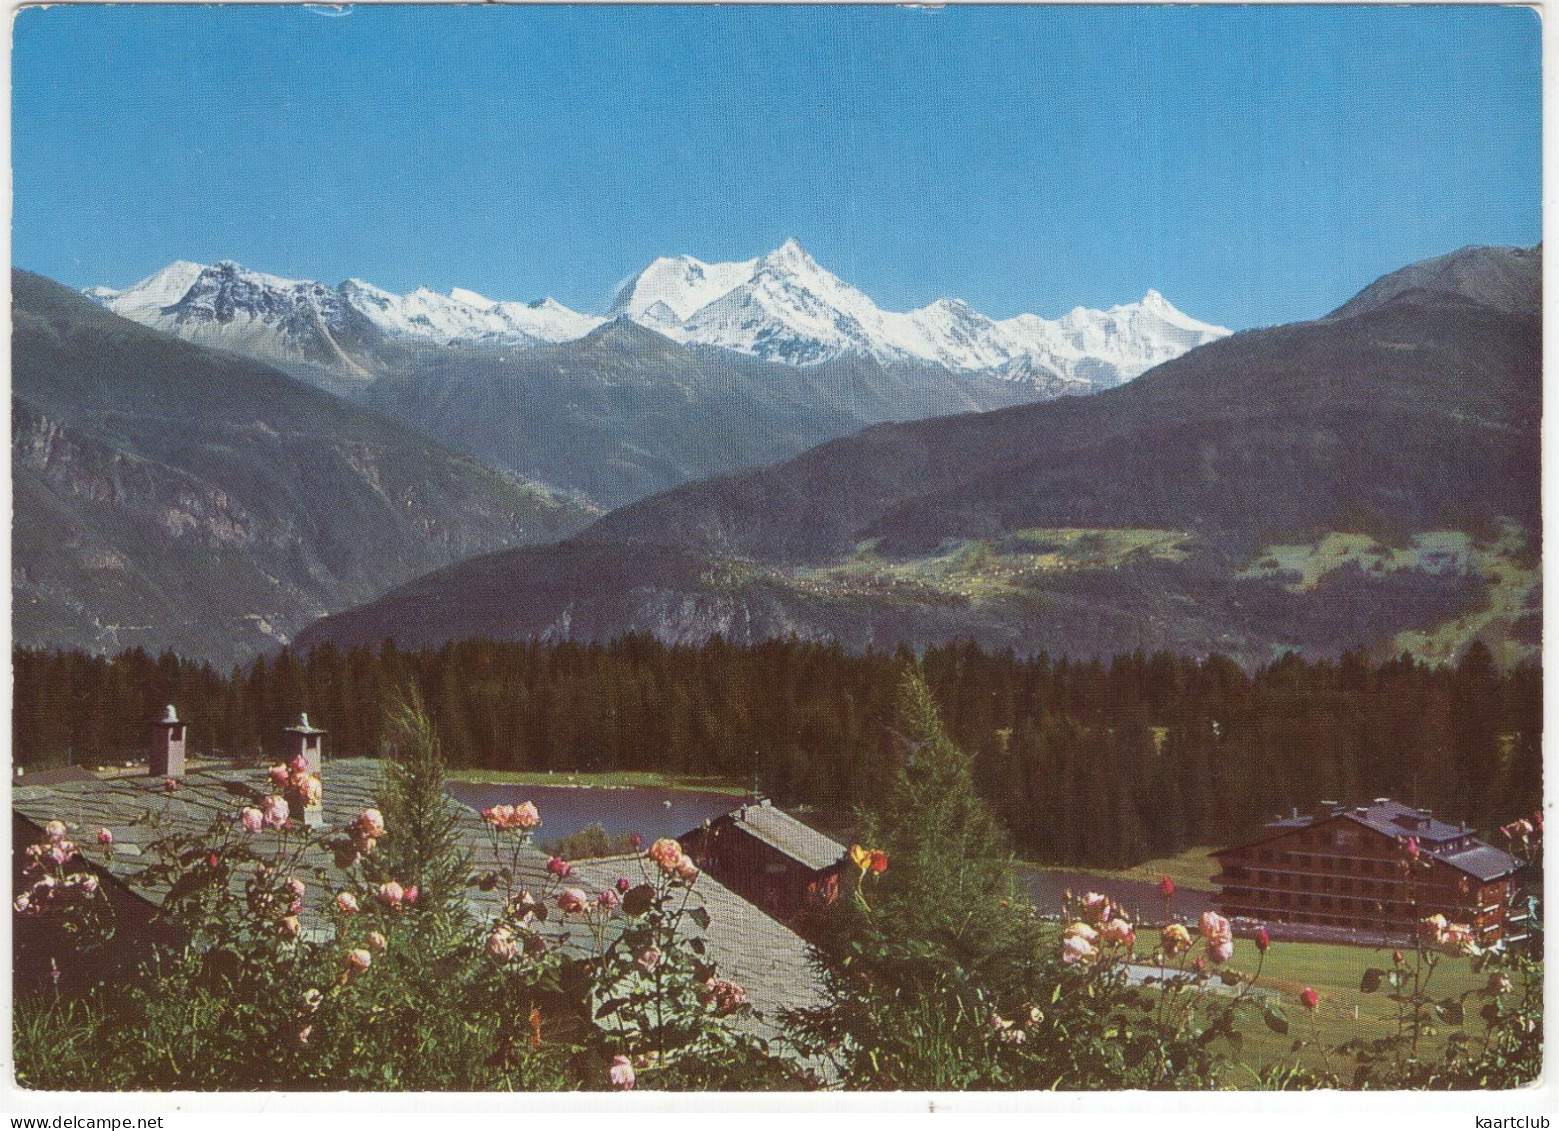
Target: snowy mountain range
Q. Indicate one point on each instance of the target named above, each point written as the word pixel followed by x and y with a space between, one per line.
pixel 779 307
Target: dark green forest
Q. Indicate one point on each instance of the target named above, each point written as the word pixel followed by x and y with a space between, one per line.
pixel 1087 762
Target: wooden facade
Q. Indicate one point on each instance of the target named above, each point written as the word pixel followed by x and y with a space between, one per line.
pixel 1352 867
pixel 768 858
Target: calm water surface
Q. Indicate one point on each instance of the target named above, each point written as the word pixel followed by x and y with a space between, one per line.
pixel 566 810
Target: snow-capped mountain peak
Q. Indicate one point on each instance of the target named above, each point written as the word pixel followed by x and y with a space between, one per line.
pixel 780 306
pixel 783 306
pixel 229 305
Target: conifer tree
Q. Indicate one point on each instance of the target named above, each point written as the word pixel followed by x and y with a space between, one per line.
pixel 422 845
pixel 949 901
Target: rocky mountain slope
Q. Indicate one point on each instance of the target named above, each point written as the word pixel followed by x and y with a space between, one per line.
pixel 1143 516
pixel 170 496
pixel 698 369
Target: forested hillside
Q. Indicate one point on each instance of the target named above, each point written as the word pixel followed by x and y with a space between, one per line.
pixel 1086 762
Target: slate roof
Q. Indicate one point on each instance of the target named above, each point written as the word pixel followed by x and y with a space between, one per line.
pixel 768 959
pixel 779 830
pixel 1482 862
pixel 58 774
pixel 1393 819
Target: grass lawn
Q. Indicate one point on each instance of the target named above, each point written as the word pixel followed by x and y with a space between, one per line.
pixel 1193 870
pixel 618 779
pixel 1334 972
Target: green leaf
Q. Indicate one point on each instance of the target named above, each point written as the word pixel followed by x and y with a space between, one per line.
pixel 699 915
pixel 1451 1012
pixel 1229 977
pixel 1275 1020
pixel 639 900
pixel 1370 982
pixel 609 1007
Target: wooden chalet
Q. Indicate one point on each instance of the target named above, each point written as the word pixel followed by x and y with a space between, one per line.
pixel 1350 867
pixel 768 857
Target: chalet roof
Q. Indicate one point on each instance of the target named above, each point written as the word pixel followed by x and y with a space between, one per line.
pixel 58 774
pixel 1393 819
pixel 766 957
pixel 796 839
pixel 1482 861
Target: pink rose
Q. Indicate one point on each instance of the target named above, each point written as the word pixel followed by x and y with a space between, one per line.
pixel 647 959
pixel 299 764
pixel 623 886
pixel 1119 932
pixel 377 941
pixel 313 793
pixel 346 903
pixel 278 776
pixel 1215 927
pixel 251 819
pixel 391 894
pixel 608 899
pixel 621 1073
pixel 275 811
pixel 1075 949
pixel 687 871
pixel 635 841
pixel 1081 931
pixel 105 838
pixel 559 867
pixel 89 883
pixel 296 887
pixel 1096 907
pixel 526 816
pixel 1263 940
pixel 572 899
pixel 1309 998
pixel 289 928
pixel 728 997
pixel 1220 950
pixel 359 960
pixel 412 892
pixel 370 822
pixel 666 853
pixel 55 831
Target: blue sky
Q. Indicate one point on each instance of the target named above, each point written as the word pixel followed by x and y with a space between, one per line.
pixel 1257 165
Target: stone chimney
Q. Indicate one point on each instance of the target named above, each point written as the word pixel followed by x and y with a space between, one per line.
pixel 167 746
pixel 308 743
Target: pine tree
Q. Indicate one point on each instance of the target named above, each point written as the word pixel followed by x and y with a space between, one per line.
pixel 422 845
pixel 949 902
